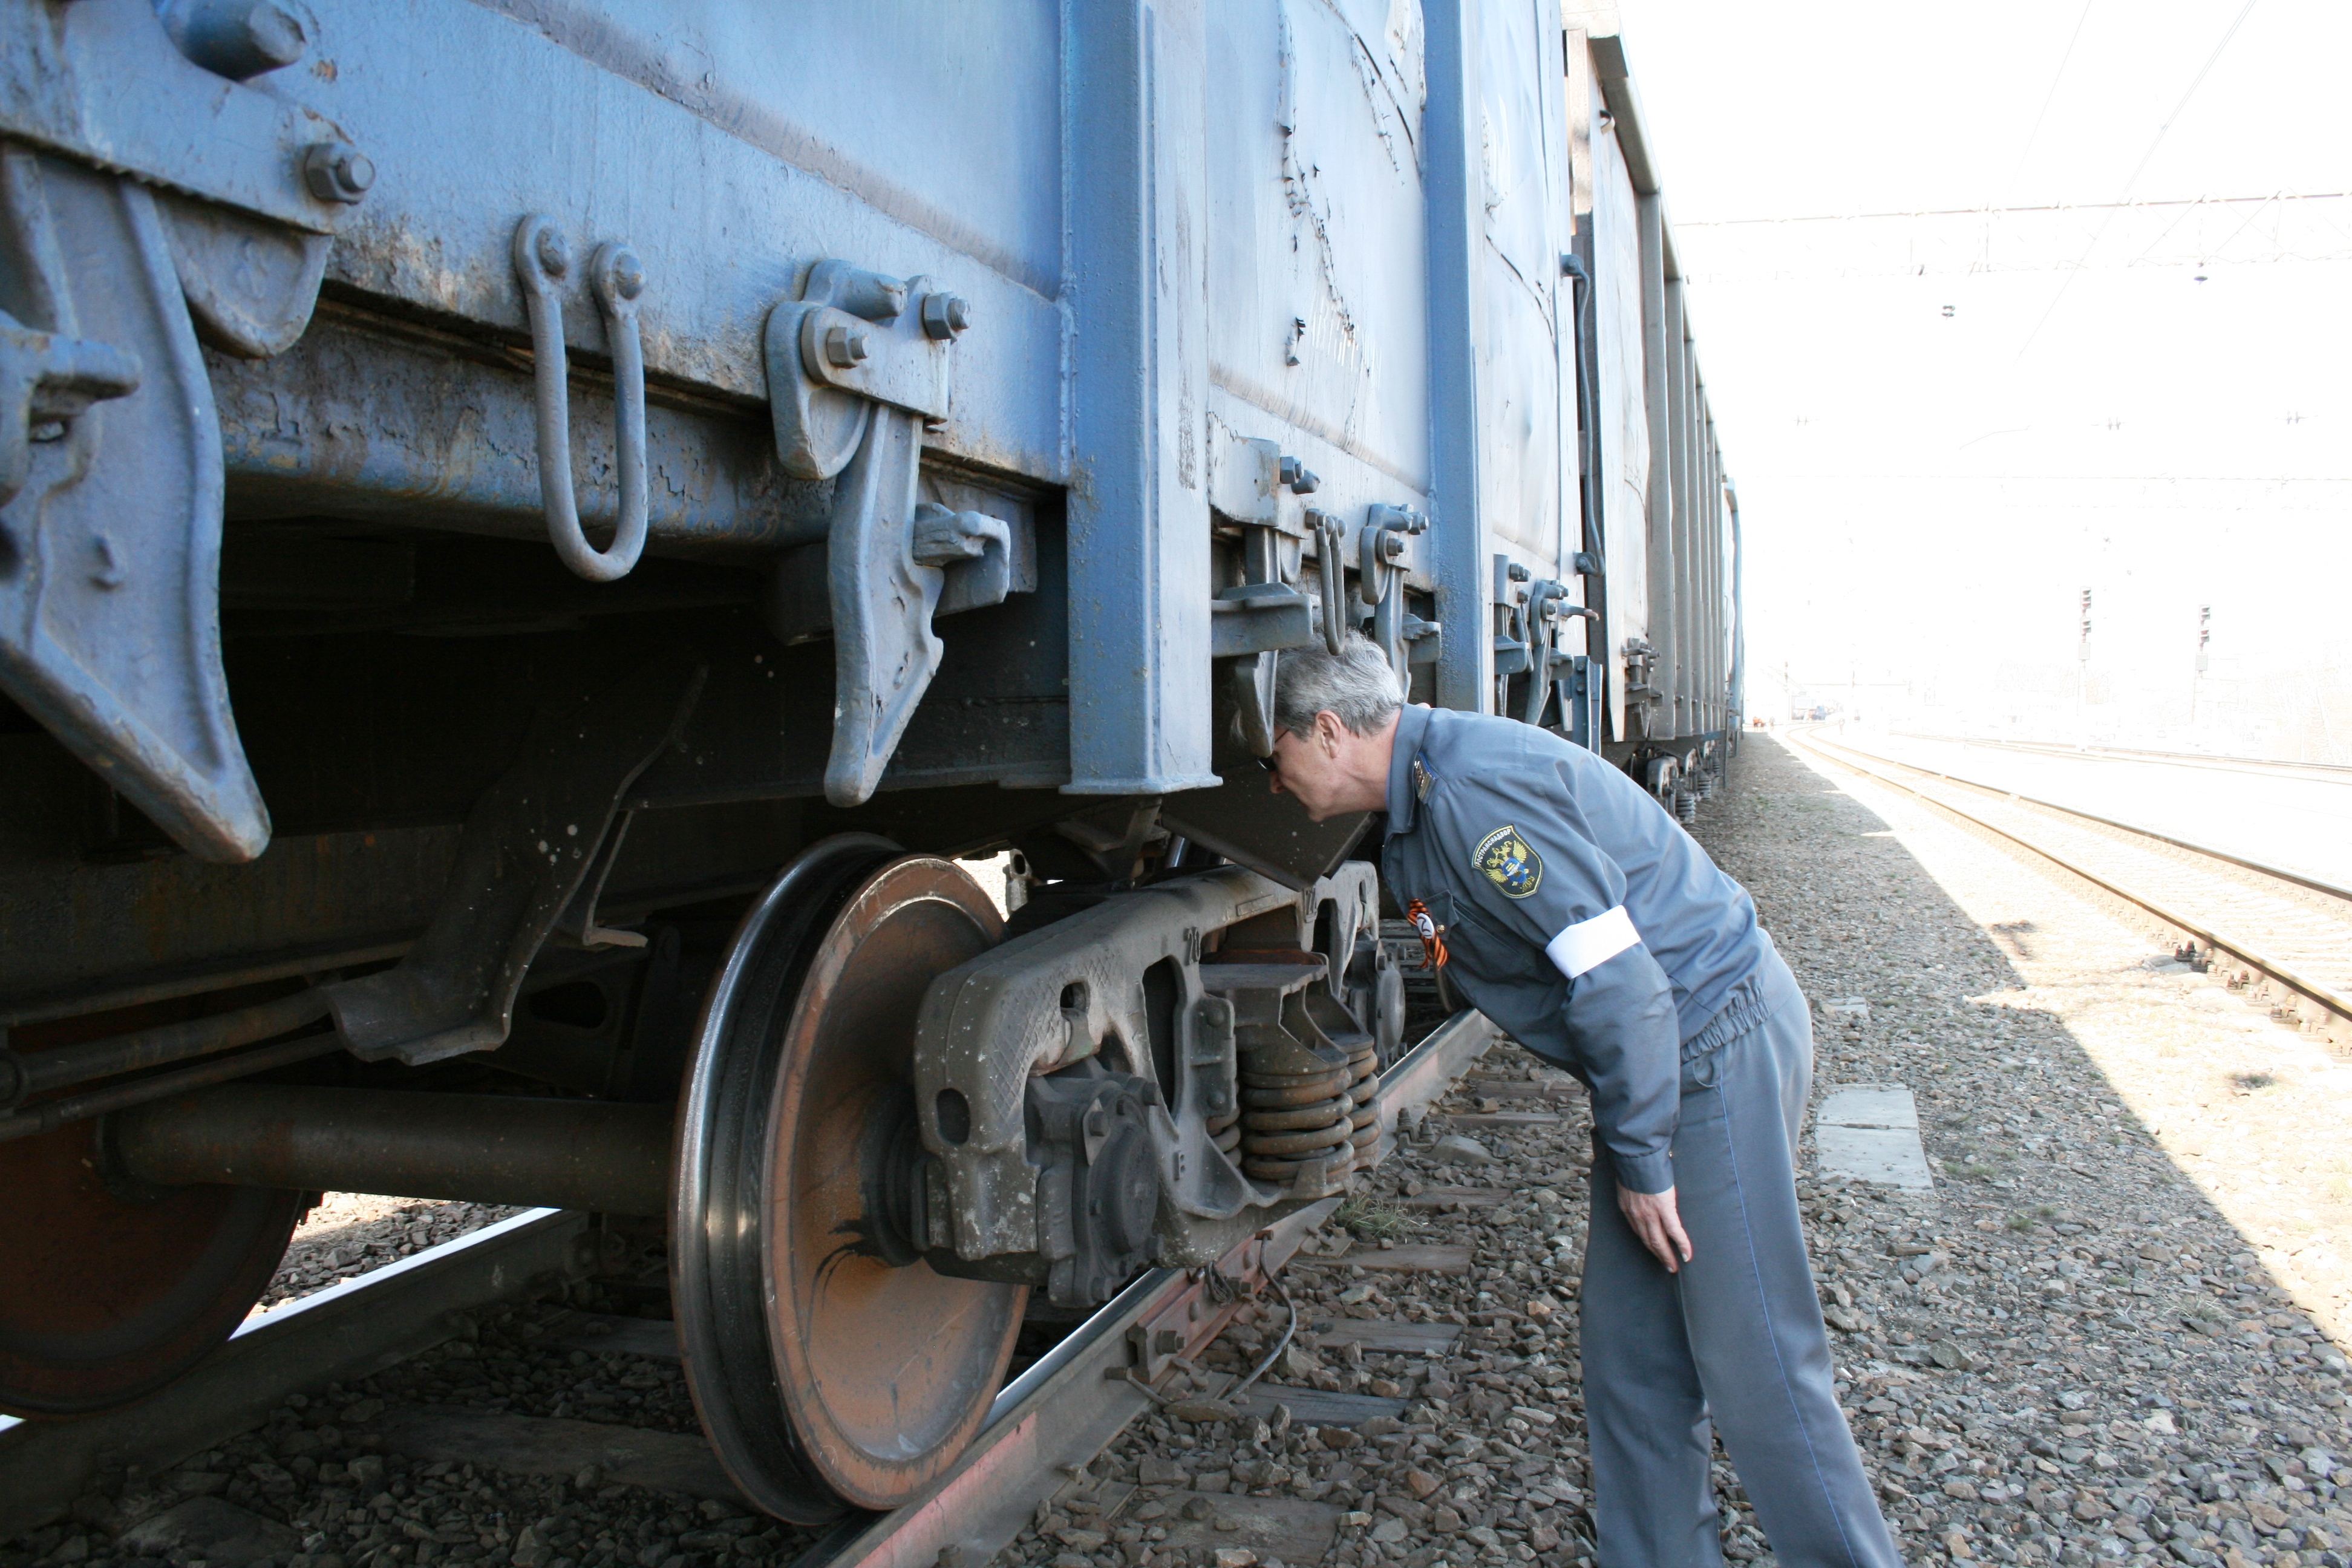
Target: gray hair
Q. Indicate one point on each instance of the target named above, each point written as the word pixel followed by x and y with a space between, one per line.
pixel 1355 686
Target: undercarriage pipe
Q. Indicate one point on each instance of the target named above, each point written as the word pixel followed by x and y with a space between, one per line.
pixel 27 1073
pixel 48 1115
pixel 483 1148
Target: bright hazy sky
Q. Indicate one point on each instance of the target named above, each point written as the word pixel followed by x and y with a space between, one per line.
pixel 1926 495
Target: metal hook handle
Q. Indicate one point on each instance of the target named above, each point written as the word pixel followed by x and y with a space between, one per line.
pixel 1333 571
pixel 617 277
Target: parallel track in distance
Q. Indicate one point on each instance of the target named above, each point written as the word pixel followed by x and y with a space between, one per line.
pixel 2267 767
pixel 2292 930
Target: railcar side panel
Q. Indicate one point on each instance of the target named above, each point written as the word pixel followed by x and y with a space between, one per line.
pixel 1624 432
pixel 1317 326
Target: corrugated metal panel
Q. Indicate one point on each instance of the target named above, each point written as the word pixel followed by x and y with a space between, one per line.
pixel 1318 323
pixel 1620 410
pixel 1522 148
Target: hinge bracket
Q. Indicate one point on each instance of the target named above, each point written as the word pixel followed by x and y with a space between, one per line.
pixel 857 368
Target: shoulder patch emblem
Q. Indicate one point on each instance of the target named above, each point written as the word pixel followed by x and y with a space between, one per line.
pixel 1510 862
pixel 1421 780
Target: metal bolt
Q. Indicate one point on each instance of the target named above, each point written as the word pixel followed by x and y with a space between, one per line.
pixel 845 346
pixel 274 34
pixel 1298 476
pixel 628 274
pixel 337 172
pixel 238 38
pixel 945 316
pixel 554 253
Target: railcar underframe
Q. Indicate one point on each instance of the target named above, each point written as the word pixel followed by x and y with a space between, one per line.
pixel 508 661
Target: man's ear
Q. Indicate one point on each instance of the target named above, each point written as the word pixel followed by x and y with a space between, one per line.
pixel 1328 730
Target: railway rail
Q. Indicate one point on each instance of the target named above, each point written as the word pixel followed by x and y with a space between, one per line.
pixel 1055 1414
pixel 2291 933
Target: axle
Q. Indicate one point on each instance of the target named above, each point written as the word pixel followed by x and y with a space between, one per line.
pixel 501 1149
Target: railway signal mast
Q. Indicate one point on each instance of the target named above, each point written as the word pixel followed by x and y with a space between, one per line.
pixel 2082 676
pixel 2197 680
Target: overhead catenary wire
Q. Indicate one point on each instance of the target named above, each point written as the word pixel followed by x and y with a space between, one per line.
pixel 2310 226
pixel 2051 96
pixel 1683 226
pixel 2138 169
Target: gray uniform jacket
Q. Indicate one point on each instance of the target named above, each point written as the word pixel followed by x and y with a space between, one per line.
pixel 1577 914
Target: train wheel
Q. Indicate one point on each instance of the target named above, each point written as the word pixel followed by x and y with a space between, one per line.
pixel 832 1367
pixel 107 1296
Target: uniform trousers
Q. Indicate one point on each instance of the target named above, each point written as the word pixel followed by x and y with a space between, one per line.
pixel 1737 1336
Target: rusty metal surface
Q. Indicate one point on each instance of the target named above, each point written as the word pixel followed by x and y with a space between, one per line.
pixel 104 1298
pixel 1409 1089
pixel 1062 1410
pixel 371 417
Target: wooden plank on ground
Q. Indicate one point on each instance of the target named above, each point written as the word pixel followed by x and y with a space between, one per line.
pixel 1502 1121
pixel 544 1446
pixel 1316 1408
pixel 1289 1529
pixel 1518 1089
pixel 1392 1339
pixel 1397 1259
pixel 1447 1197
pixel 622 1336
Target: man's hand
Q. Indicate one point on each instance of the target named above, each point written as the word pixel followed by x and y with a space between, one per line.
pixel 1653 1218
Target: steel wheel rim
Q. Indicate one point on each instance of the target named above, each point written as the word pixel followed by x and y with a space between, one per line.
pixel 716 1281
pixel 887 1373
pixel 744 1257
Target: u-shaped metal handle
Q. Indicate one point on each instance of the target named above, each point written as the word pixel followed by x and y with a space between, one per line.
pixel 1331 546
pixel 543 258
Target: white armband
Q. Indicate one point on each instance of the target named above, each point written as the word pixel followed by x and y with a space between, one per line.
pixel 1588 945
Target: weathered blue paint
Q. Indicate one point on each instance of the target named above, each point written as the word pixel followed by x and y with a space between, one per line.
pixel 1139 510
pixel 1186 232
pixel 1457 282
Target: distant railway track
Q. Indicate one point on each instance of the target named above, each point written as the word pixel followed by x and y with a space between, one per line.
pixel 1058 1413
pixel 2271 767
pixel 2286 931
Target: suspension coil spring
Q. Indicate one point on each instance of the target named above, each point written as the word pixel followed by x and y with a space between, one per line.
pixel 1363 1073
pixel 1225 1131
pixel 1291 1122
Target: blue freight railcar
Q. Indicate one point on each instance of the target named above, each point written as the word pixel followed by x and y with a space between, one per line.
pixel 536 534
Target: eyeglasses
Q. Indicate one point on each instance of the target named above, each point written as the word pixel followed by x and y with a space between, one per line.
pixel 1270 761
